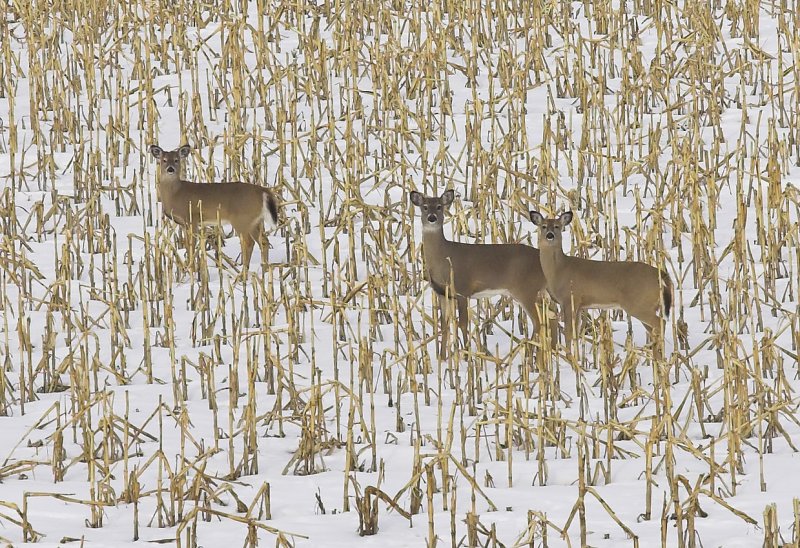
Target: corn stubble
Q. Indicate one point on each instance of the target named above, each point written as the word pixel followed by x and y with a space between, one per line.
pixel 343 107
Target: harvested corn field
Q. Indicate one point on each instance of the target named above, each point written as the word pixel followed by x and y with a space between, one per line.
pixel 159 387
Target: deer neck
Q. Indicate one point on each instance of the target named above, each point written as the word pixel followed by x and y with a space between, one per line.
pixel 553 261
pixel 169 184
pixel 433 241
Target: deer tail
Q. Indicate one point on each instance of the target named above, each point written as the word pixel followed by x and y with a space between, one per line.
pixel 271 205
pixel 666 292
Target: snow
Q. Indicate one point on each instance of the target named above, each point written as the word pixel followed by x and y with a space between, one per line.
pixel 361 361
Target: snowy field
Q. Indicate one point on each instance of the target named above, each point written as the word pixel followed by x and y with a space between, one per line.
pixel 149 393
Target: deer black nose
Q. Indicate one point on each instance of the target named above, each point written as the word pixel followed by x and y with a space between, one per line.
pixel 431 218
pixel 170 169
pixel 550 236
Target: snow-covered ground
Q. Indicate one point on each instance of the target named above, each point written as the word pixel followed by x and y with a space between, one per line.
pixel 150 392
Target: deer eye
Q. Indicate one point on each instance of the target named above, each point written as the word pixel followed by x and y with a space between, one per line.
pixel 438 208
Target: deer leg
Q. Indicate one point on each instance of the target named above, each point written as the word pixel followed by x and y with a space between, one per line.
pixel 443 328
pixel 567 312
pixel 258 236
pixel 553 325
pixel 578 319
pixel 655 329
pixel 463 319
pixel 247 248
pixel 191 240
pixel 533 307
pixel 649 319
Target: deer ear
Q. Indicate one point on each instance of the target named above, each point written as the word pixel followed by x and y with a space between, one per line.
pixel 155 150
pixel 565 218
pixel 536 218
pixel 448 197
pixel 416 198
pixel 184 151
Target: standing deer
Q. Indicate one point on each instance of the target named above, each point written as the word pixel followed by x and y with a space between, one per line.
pixel 476 270
pixel 243 205
pixel 575 283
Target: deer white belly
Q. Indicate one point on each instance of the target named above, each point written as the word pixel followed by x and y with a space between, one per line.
pixel 491 293
pixel 604 306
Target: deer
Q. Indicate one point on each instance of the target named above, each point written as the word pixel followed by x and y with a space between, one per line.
pixel 576 284
pixel 462 271
pixel 245 206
